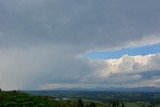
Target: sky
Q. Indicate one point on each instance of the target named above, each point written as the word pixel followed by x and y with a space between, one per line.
pixel 49 44
pixel 145 50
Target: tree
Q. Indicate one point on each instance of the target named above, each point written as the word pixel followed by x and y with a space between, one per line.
pixel 80 103
pixel 142 105
pixel 113 104
pixel 150 105
pixel 117 103
pixel 93 105
pixel 122 104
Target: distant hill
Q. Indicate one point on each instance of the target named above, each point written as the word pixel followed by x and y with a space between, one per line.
pixel 113 89
pixel 122 89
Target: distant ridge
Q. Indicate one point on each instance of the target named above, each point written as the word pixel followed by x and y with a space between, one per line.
pixel 120 89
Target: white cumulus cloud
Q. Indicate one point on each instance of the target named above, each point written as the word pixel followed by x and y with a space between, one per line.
pixel 127 69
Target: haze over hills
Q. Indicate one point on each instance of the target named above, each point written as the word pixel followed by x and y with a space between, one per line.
pixel 110 89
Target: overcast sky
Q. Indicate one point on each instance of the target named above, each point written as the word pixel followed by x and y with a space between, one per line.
pixel 48 44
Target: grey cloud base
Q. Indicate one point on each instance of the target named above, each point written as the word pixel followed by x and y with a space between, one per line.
pixel 84 24
pixel 41 41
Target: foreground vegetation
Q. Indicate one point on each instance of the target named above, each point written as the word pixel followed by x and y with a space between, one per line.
pixel 21 99
pixel 78 99
pixel 107 98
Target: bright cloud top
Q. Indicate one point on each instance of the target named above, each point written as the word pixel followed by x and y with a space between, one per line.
pixel 126 69
pixel 132 63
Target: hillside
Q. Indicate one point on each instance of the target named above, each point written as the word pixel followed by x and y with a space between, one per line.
pixel 21 99
pixel 77 99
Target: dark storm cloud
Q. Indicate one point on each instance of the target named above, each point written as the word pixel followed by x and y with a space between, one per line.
pixel 42 41
pixel 84 24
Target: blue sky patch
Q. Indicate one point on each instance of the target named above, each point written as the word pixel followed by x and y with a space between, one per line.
pixel 150 49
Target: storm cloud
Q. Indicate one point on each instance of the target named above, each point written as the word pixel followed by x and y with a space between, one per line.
pixel 43 41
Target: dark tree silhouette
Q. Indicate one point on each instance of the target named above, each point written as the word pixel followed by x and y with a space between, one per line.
pixel 113 104
pixel 142 105
pixel 93 105
pixel 122 104
pixel 80 103
pixel 117 103
pixel 150 105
